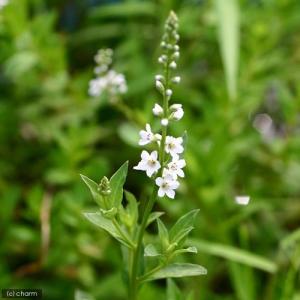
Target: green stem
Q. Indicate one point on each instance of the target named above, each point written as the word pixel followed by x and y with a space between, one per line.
pixel 133 287
pixel 122 234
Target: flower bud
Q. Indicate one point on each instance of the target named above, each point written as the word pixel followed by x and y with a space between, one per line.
pixel 104 187
pixel 173 65
pixel 176 79
pixel 176 55
pixel 110 213
pixel 169 93
pixel 164 122
pixel 176 47
pixel 159 77
pixel 160 87
pixel 157 110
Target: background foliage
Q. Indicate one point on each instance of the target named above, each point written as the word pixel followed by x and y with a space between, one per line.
pixel 239 62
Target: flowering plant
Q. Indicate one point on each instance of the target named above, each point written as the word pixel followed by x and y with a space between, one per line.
pixel 163 163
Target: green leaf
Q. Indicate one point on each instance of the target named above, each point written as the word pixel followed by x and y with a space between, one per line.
pixel 186 250
pixel 153 216
pixel 106 224
pixel 228 23
pixel 181 235
pixel 150 250
pixel 173 292
pixel 93 187
pixel 116 184
pixel 178 270
pixel 235 254
pixel 163 234
pixel 180 229
pixel 81 295
pixel 132 206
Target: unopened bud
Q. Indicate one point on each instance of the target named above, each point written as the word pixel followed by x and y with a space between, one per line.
pixel 173 65
pixel 160 87
pixel 104 187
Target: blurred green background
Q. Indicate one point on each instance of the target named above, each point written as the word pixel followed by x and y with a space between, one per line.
pixel 240 90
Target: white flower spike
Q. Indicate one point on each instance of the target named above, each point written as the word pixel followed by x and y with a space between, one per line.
pixel 149 163
pixel 167 186
pixel 174 145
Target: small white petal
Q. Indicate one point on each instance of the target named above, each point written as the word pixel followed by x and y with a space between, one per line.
pixel 161 192
pixel 145 155
pixel 159 181
pixel 170 194
pixel 242 200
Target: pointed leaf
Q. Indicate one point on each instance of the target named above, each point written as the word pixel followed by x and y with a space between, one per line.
pixel 235 254
pixel 132 206
pixel 150 250
pixel 116 184
pixel 186 250
pixel 181 235
pixel 163 234
pixel 106 224
pixel 153 216
pixel 173 292
pixel 183 223
pixel 93 187
pixel 178 270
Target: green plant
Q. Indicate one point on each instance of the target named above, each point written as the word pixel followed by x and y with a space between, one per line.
pixel 125 222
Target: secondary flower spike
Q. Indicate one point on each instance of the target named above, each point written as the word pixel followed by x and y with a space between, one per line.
pixel 107 80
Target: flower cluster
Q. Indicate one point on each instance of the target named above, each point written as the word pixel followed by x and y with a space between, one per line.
pixel 107 79
pixel 165 164
pixel 3 3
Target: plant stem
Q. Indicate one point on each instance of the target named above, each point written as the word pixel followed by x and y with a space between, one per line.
pixel 133 286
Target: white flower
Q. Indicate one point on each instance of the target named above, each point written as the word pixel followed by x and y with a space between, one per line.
pixel 112 82
pixel 160 87
pixel 242 200
pixel 157 110
pixel 3 3
pixel 173 65
pixel 146 136
pixel 159 77
pixel 167 185
pixel 177 111
pixel 97 86
pixel 175 167
pixel 164 122
pixel 149 163
pixel 174 145
pixel 176 79
pixel 169 92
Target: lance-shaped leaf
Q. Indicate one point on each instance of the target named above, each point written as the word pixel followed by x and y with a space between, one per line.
pixel 163 234
pixel 178 270
pixel 116 184
pixel 153 216
pixel 132 207
pixel 150 250
pixel 107 225
pixel 183 226
pixel 93 187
